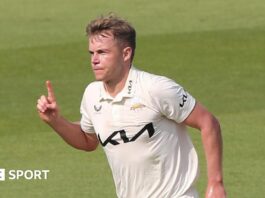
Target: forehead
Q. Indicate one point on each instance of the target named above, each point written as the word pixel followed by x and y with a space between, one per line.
pixel 104 38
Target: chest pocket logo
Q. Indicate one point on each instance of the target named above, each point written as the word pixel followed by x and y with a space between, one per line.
pixel 97 108
pixel 149 128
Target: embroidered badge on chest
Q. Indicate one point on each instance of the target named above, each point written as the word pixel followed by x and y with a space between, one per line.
pixel 136 104
pixel 97 108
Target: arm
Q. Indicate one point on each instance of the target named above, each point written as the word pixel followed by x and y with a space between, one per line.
pixel 71 132
pixel 209 126
pixel 73 135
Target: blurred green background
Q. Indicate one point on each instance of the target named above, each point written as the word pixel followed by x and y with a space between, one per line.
pixel 215 49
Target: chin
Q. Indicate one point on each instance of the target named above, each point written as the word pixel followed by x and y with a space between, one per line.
pixel 98 77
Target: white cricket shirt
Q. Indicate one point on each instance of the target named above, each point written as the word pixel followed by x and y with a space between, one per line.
pixel 148 149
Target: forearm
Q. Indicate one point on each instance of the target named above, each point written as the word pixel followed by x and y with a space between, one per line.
pixel 212 142
pixel 209 126
pixel 73 135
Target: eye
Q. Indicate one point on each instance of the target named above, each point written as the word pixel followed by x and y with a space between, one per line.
pixel 101 52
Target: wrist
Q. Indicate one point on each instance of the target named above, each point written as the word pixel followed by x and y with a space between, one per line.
pixel 215 181
pixel 218 178
pixel 54 121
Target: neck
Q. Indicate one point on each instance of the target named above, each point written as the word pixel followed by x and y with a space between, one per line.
pixel 113 87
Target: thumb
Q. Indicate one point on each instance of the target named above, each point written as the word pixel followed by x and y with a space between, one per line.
pixel 52 106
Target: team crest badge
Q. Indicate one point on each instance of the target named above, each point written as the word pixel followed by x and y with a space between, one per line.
pixel 136 104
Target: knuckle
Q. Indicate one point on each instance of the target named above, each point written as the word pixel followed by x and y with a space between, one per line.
pixel 43 98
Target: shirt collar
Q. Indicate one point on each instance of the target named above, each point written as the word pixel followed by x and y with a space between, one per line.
pixel 127 91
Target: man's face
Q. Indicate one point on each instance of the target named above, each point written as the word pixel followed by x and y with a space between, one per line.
pixel 106 57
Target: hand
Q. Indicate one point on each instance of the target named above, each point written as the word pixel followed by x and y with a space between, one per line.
pixel 215 190
pixel 47 106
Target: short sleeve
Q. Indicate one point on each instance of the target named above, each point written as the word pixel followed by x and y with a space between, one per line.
pixel 86 123
pixel 171 99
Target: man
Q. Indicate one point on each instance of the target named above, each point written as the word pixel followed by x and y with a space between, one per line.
pixel 140 120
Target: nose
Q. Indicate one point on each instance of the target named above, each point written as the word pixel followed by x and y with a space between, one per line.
pixel 94 58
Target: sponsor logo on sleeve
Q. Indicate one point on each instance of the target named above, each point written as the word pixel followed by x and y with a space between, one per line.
pixel 184 99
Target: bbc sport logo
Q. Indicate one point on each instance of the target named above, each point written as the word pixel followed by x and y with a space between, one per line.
pixel 2 174
pixel 23 174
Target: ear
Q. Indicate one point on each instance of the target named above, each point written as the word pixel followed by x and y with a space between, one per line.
pixel 127 53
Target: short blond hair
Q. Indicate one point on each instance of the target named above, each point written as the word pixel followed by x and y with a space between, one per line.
pixel 122 30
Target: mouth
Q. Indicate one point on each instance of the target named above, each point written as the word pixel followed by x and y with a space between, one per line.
pixel 98 71
pixel 95 68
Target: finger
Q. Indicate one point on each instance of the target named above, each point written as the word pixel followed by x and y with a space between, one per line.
pixel 51 96
pixel 44 100
pixel 41 108
pixel 45 104
pixel 42 103
pixel 52 106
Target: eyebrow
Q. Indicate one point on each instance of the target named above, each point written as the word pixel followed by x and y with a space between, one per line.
pixel 99 50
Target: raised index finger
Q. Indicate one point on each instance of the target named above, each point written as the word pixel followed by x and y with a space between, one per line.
pixel 51 96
